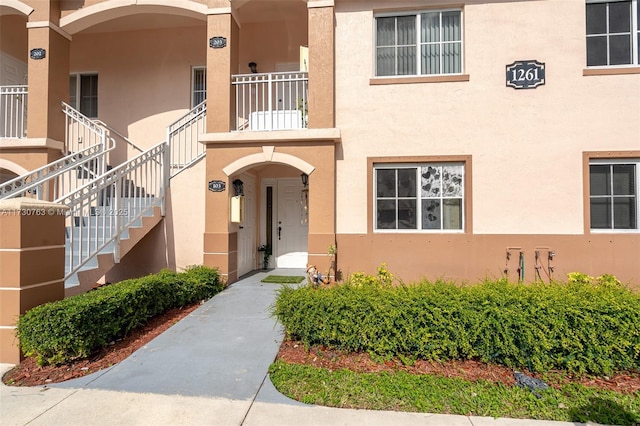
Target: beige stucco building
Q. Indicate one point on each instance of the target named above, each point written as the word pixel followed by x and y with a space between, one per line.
pixel 455 139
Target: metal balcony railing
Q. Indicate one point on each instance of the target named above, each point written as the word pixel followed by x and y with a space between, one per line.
pixel 183 136
pixel 271 101
pixel 13 112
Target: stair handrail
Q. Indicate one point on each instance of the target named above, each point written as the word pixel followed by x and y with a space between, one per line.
pixel 99 214
pixel 183 136
pixel 50 182
pixel 122 136
pixel 81 130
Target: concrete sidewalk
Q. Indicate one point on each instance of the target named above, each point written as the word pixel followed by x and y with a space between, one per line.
pixel 208 369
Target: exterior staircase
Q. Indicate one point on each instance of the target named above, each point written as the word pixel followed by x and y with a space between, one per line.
pixel 111 209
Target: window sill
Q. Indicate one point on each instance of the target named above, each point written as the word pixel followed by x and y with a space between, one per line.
pixel 610 71
pixel 419 79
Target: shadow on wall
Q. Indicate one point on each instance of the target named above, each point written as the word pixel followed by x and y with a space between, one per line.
pixel 147 257
pixel 603 411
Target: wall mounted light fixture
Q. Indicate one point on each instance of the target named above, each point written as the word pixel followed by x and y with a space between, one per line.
pixel 305 179
pixel 253 67
pixel 238 187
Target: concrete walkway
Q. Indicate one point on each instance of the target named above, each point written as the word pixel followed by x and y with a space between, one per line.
pixel 208 369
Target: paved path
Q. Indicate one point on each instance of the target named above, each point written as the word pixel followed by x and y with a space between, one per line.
pixel 208 369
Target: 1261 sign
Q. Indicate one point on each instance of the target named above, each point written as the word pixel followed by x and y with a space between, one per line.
pixel 525 74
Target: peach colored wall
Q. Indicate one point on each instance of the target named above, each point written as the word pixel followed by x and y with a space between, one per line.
pixel 185 217
pixel 526 145
pixel 31 158
pixel 269 43
pixel 13 36
pixel 48 84
pixel 144 77
pixel 470 259
pixel 69 6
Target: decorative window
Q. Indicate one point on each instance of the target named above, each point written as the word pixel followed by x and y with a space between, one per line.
pixel 427 43
pixel 613 194
pixel 83 93
pixel 613 35
pixel 427 196
pixel 198 85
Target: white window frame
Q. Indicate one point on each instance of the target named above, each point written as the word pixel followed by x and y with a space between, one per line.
pixel 418 197
pixel 609 162
pixel 195 69
pixel 78 76
pixel 635 32
pixel 418 42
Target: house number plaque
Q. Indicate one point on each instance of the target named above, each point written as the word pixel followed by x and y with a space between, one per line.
pixel 525 74
pixel 217 186
pixel 217 42
pixel 37 53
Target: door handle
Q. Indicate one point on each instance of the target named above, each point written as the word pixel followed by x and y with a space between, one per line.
pixel 279 231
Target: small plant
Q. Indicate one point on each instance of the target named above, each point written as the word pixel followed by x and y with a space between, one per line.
pixel 266 254
pixel 332 251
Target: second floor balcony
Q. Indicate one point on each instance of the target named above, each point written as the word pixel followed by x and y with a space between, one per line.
pixel 13 112
pixel 270 101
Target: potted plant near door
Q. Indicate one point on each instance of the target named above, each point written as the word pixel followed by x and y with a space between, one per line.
pixel 266 254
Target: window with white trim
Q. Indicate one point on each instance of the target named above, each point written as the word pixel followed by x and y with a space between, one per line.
pixel 83 93
pixel 198 85
pixel 613 33
pixel 426 196
pixel 426 43
pixel 613 194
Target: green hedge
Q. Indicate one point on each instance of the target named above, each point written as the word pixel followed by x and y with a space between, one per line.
pixel 75 327
pixel 582 326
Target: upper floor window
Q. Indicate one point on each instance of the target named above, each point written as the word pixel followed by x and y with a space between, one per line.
pixel 613 35
pixel 198 85
pixel 426 196
pixel 427 43
pixel 613 194
pixel 83 93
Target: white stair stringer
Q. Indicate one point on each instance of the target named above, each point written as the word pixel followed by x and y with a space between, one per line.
pixel 85 279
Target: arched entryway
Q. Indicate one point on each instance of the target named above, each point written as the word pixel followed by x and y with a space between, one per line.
pixel 295 220
pixel 275 219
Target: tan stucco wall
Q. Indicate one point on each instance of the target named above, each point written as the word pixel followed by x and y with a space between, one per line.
pixel 185 217
pixel 144 77
pixel 270 43
pixel 526 145
pixel 13 36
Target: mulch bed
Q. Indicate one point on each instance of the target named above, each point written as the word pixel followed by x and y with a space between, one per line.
pixel 28 373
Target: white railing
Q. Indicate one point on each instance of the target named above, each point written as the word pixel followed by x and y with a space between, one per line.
pixel 102 210
pixel 59 178
pixel 110 130
pixel 271 101
pixel 13 111
pixel 81 131
pixel 183 136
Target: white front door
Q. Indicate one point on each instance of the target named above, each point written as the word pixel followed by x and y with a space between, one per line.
pixel 246 230
pixel 291 228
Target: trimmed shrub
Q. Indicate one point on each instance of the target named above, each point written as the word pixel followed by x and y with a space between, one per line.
pixel 75 327
pixel 581 326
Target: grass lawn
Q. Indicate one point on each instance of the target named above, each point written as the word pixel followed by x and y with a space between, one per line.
pixel 401 391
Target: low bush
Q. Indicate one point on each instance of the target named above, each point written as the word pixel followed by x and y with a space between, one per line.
pixel 75 327
pixel 582 326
